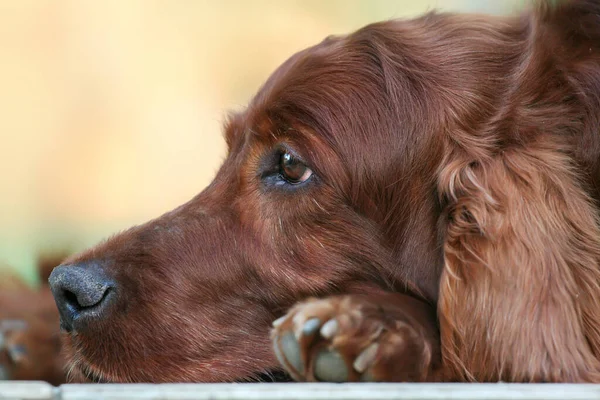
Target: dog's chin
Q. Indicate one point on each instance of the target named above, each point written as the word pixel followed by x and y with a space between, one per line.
pixel 274 376
pixel 86 374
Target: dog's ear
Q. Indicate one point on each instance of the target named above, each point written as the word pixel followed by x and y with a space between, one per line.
pixel 520 291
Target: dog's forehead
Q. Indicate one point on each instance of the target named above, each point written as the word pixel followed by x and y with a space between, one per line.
pixel 277 108
pixel 321 90
pixel 298 65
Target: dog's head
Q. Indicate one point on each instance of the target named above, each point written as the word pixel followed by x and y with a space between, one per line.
pixel 313 198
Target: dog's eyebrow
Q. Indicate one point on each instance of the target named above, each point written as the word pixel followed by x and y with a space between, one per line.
pixel 233 127
pixel 272 133
pixel 265 128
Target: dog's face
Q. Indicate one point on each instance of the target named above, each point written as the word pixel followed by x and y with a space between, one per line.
pixel 324 190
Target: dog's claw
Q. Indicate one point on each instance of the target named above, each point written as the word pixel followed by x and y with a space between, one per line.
pixel 366 358
pixel 311 326
pixel 330 328
pixel 278 321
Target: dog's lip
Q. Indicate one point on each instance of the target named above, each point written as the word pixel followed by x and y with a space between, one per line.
pixel 275 375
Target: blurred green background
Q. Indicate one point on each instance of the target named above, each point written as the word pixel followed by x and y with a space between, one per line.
pixel 111 110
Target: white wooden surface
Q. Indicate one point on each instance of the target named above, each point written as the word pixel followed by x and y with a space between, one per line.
pixel 26 390
pixel 294 391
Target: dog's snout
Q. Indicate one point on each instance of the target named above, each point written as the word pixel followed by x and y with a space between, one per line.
pixel 81 292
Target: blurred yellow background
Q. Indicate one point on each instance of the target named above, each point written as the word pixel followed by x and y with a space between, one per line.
pixel 110 111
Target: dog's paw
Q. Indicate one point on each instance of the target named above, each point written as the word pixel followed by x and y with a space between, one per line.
pixel 349 339
pixel 12 353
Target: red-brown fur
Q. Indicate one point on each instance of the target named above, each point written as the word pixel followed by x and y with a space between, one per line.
pixel 456 159
pixel 32 321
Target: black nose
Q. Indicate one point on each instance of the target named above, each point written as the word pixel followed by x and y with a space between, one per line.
pixel 81 292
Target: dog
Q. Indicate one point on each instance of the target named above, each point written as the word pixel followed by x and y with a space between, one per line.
pixel 415 201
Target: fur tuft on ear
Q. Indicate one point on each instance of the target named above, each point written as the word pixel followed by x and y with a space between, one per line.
pixel 520 293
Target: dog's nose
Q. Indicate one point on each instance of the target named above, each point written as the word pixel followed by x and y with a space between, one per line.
pixel 81 292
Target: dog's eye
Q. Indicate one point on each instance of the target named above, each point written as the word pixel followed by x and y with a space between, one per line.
pixel 293 170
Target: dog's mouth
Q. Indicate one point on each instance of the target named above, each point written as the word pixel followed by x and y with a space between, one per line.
pixel 275 375
pixel 272 376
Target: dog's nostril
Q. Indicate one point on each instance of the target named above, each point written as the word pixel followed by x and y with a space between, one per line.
pixel 86 298
pixel 81 302
pixel 79 291
pixel 71 298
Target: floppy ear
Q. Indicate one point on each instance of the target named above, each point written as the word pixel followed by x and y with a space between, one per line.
pixel 520 291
